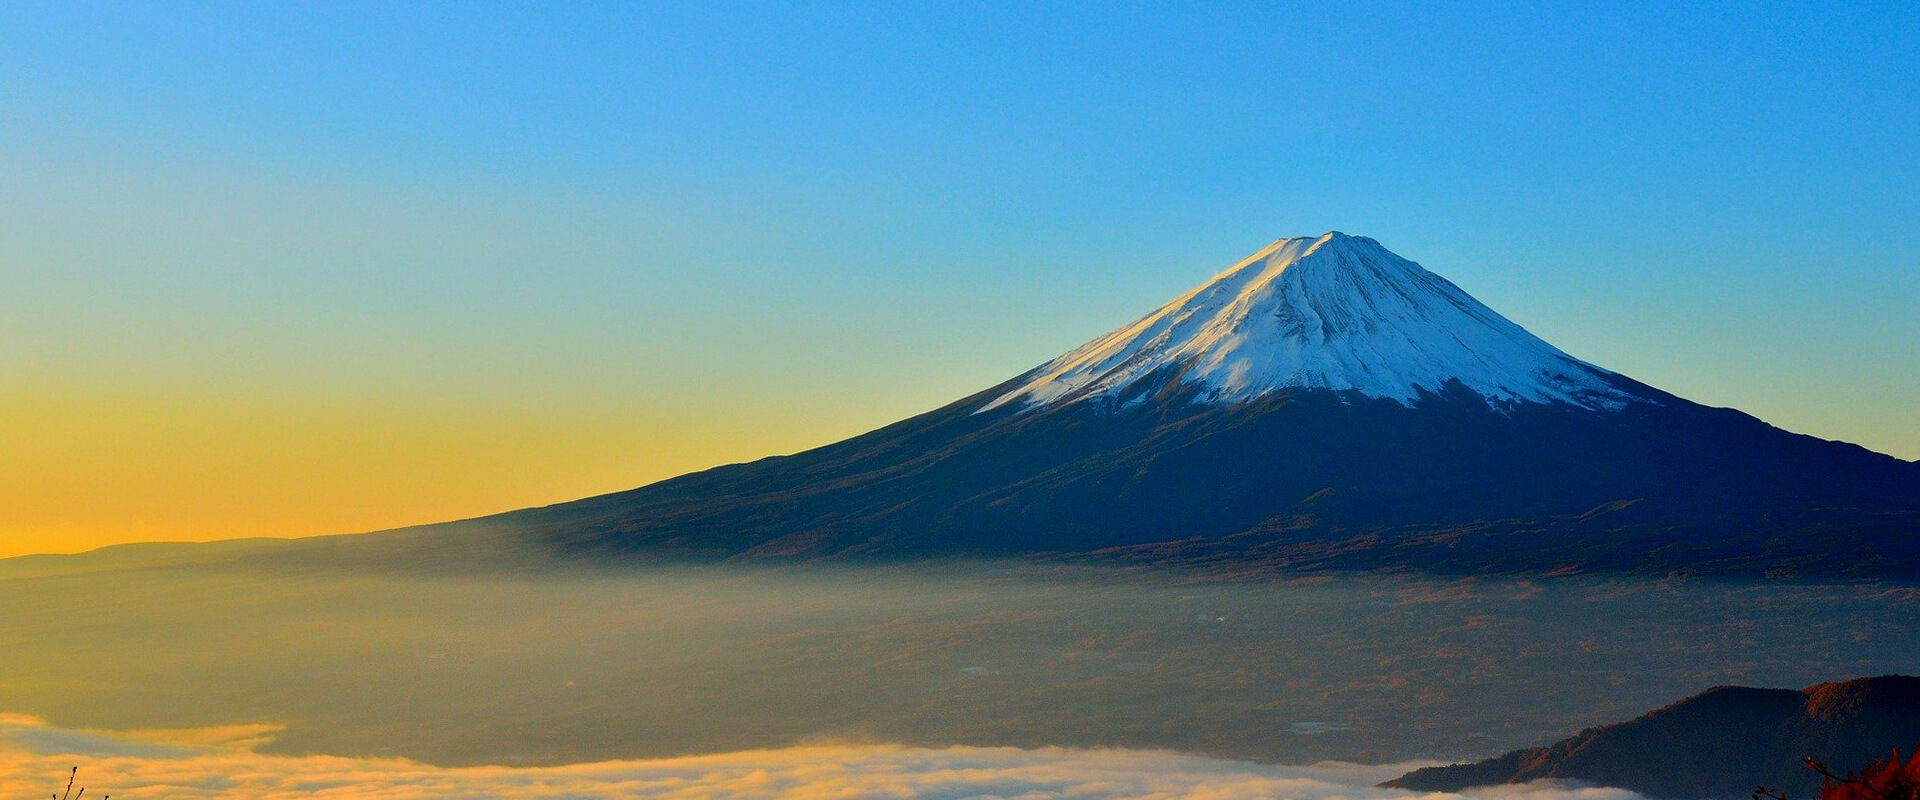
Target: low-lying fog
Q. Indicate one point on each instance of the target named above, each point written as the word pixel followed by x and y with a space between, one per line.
pixel 541 669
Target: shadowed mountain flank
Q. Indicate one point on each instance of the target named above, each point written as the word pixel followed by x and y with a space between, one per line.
pixel 1322 404
pixel 1719 743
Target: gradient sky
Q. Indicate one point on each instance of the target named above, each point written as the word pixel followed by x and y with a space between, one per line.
pixel 281 269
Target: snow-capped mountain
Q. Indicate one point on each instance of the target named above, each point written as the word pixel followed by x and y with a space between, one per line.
pixel 1330 312
pixel 1322 404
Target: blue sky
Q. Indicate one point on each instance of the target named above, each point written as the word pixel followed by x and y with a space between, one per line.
pixel 604 243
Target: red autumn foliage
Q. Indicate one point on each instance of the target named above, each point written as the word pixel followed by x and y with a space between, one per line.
pixel 1888 779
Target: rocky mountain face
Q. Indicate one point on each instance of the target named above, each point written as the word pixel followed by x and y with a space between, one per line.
pixel 1720 743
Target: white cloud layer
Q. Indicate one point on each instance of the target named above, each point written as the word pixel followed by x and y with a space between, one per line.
pixel 214 763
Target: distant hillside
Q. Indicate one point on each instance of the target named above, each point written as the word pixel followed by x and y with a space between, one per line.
pixel 1719 743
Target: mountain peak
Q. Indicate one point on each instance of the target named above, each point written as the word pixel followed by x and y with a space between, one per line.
pixel 1335 312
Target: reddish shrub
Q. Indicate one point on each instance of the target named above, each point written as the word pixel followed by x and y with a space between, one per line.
pixel 1888 779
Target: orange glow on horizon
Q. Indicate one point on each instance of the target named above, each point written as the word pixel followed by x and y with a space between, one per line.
pixel 86 469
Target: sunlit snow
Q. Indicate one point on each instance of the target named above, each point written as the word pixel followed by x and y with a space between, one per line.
pixel 1335 312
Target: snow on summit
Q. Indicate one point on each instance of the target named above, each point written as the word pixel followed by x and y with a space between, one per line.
pixel 1335 312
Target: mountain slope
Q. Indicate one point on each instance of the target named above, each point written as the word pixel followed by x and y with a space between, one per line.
pixel 1719 743
pixel 1323 403
pixel 1334 312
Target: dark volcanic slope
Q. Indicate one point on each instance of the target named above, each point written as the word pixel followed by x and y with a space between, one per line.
pixel 1300 478
pixel 1719 743
pixel 1440 436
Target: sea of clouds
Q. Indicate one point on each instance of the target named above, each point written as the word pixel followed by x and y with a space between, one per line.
pixel 207 763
